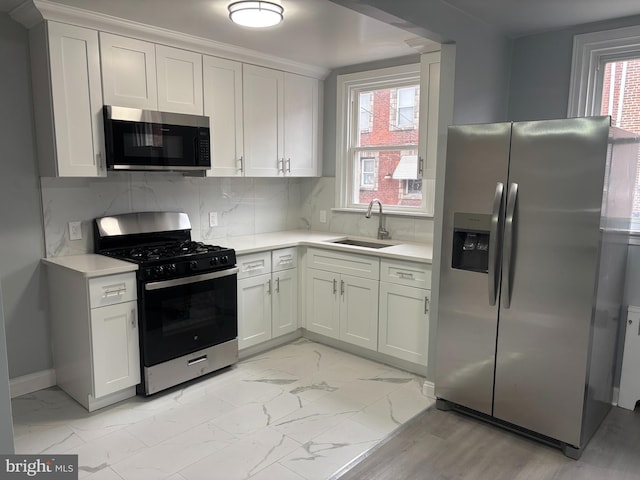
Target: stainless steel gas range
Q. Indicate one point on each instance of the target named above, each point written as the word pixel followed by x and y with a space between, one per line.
pixel 187 295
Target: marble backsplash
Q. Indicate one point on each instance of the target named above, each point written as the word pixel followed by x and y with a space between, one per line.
pixel 245 206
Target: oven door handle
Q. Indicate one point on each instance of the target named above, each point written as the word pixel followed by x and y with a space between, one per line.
pixel 194 279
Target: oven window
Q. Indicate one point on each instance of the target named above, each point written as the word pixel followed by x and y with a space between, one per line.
pixel 182 319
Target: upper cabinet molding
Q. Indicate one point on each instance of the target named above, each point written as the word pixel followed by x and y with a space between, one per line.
pixel 33 12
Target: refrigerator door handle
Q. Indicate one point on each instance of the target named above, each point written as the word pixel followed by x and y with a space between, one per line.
pixel 494 259
pixel 508 242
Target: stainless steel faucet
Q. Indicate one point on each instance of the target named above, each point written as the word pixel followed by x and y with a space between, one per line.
pixel 382 233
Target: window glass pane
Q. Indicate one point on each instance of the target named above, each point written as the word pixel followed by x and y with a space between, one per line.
pixel 365 112
pixel 621 100
pixel 391 116
pixel 389 175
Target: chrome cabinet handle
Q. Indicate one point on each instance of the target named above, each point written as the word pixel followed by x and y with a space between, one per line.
pixel 509 240
pixel 426 305
pixel 278 285
pixel 241 163
pixel 335 286
pixel 404 275
pixel 197 360
pixel 494 243
pixel 133 318
pixel 269 287
pixel 288 165
pixel 341 287
pixel 280 165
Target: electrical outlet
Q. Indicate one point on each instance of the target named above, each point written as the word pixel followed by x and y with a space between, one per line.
pixel 323 216
pixel 75 230
pixel 213 219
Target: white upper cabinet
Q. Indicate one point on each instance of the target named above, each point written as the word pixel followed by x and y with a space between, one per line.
pixel 139 74
pixel 128 72
pixel 179 74
pixel 223 105
pixel 263 109
pixel 67 100
pixel 301 117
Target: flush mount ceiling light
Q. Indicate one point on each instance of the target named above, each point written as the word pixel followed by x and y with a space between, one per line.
pixel 255 14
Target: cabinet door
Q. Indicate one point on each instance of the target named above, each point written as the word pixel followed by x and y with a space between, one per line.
pixel 359 311
pixel 77 101
pixel 223 105
pixel 263 105
pixel 404 322
pixel 323 309
pixel 114 348
pixel 128 72
pixel 179 74
pixel 300 125
pixel 285 302
pixel 254 310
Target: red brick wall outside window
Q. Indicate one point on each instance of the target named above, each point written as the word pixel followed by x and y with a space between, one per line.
pixel 382 130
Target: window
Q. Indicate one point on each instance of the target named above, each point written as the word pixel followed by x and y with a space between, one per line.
pixel 606 81
pixel 379 127
pixel 405 108
pixel 366 109
pixel 367 168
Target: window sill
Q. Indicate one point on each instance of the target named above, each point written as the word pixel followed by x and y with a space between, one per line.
pixel 362 211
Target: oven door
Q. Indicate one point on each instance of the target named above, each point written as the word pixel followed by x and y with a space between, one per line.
pixel 187 314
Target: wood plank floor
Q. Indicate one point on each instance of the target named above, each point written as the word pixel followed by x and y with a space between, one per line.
pixel 448 445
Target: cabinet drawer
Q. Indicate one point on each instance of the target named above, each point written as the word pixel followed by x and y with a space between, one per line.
pixel 339 262
pixel 112 289
pixel 411 274
pixel 254 264
pixel 284 259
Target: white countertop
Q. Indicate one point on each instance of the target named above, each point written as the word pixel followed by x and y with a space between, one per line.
pixel 400 250
pixel 91 264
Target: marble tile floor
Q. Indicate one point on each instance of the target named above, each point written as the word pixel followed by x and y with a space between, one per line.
pixel 300 411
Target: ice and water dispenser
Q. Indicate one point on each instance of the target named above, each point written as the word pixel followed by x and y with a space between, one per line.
pixel 471 241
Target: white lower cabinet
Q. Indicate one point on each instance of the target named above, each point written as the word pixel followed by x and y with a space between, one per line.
pixel 342 296
pixel 404 310
pixel 404 322
pixel 94 330
pixel 267 301
pixel 114 344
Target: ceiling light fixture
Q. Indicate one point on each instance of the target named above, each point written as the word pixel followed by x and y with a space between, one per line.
pixel 255 14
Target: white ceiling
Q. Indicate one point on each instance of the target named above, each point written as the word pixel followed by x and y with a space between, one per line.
pixel 324 34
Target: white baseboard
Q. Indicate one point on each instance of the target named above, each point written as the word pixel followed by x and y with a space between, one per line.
pixel 32 382
pixel 429 389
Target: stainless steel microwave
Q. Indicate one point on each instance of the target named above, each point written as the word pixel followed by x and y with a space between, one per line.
pixel 137 139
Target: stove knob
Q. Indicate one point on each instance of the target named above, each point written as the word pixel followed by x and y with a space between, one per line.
pixel 193 265
pixel 171 268
pixel 214 261
pixel 159 271
pixel 224 259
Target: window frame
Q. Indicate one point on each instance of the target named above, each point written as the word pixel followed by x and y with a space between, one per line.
pixel 411 125
pixel 591 53
pixel 348 88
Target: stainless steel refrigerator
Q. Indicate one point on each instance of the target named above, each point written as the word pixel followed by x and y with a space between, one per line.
pixel 532 273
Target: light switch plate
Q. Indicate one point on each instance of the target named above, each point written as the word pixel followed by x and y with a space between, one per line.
pixel 75 230
pixel 213 219
pixel 323 216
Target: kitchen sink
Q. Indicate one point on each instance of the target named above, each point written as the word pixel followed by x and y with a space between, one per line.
pixel 362 243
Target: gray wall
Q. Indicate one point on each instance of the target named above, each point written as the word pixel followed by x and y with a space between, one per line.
pixel 541 70
pixel 21 230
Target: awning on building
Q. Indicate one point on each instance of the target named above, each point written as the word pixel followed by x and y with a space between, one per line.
pixel 407 168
